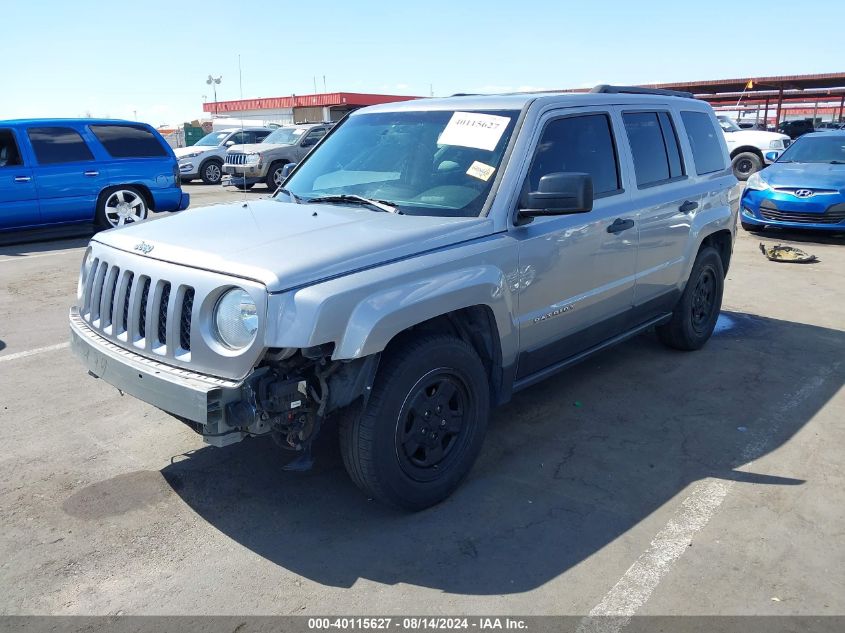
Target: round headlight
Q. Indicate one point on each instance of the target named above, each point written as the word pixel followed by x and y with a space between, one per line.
pixel 236 318
pixel 84 271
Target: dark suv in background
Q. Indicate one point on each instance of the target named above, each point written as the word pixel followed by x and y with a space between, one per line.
pixel 56 172
pixel 796 128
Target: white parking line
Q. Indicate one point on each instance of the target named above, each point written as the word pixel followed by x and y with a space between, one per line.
pixel 637 584
pixel 23 258
pixel 33 352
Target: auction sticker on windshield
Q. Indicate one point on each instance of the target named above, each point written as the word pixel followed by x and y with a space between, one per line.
pixel 481 171
pixel 471 129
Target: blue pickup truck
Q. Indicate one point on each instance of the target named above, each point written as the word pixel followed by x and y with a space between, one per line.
pixel 58 172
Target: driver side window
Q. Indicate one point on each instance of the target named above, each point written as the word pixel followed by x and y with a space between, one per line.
pixel 578 144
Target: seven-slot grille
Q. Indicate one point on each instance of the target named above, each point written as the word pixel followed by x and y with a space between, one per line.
pixel 135 308
pixel 235 158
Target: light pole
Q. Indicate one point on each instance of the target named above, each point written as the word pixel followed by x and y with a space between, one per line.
pixel 214 82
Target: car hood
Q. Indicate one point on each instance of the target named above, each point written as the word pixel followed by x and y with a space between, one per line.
pixel 805 175
pixel 755 137
pixel 284 245
pixel 256 148
pixel 184 151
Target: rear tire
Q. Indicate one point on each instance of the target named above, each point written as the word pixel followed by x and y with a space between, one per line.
pixel 211 172
pixel 423 425
pixel 744 164
pixel 119 206
pixel 698 308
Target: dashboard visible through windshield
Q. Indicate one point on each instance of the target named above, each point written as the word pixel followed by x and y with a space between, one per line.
pixel 440 162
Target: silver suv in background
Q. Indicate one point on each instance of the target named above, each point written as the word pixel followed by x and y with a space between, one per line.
pixel 247 165
pixel 426 261
pixel 204 159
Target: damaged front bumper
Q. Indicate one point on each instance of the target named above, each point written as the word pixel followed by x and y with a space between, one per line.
pixel 207 401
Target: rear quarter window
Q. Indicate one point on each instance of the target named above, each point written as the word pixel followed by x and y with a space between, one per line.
pixel 128 141
pixel 56 145
pixel 704 139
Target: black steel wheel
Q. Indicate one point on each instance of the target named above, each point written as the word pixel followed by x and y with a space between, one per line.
pixel 746 163
pixel 695 314
pixel 422 428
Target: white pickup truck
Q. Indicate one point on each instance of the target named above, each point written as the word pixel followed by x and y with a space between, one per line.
pixel 751 150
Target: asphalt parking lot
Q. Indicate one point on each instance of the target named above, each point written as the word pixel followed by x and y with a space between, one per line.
pixel 643 481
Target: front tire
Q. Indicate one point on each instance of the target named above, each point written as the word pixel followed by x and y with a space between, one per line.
pixel 746 163
pixel 695 314
pixel 423 425
pixel 119 206
pixel 274 176
pixel 212 172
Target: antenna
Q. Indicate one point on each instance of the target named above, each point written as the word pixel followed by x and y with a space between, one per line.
pixel 240 77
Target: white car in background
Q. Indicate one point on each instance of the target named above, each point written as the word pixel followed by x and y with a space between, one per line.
pixel 205 158
pixel 751 150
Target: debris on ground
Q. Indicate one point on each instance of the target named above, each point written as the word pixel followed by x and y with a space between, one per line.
pixel 790 254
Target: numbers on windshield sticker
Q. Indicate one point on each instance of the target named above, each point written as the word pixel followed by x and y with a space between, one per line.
pixel 471 129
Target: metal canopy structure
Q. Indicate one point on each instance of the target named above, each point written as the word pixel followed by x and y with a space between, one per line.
pixel 821 92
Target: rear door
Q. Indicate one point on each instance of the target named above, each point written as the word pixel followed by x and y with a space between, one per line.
pixel 68 175
pixel 575 279
pixel 665 207
pixel 18 196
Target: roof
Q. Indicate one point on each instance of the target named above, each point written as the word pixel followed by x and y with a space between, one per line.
pixel 303 101
pixel 517 101
pixel 66 121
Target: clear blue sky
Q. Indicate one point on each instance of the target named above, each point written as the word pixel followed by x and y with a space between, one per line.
pixel 63 58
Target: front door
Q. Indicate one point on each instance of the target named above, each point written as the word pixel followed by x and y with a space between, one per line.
pixel 575 282
pixel 69 178
pixel 18 196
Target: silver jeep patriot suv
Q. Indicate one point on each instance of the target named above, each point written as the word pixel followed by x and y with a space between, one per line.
pixel 425 261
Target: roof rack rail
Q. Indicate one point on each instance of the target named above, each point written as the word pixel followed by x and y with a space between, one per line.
pixel 466 94
pixel 637 90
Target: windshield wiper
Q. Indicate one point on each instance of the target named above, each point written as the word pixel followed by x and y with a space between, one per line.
pixel 380 205
pixel 837 162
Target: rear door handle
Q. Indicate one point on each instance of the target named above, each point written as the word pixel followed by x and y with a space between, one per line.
pixel 688 206
pixel 22 178
pixel 91 173
pixel 620 225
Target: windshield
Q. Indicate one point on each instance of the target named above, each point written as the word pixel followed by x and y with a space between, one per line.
pixel 819 148
pixel 214 139
pixel 285 136
pixel 438 162
pixel 728 124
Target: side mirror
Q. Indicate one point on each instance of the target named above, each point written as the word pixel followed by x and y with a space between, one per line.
pixel 229 143
pixel 287 169
pixel 558 193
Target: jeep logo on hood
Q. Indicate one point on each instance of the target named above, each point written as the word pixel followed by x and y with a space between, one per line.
pixel 144 247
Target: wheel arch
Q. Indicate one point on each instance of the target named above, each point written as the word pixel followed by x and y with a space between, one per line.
pixel 747 148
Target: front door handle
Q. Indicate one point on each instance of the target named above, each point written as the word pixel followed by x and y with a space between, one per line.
pixel 91 173
pixel 688 206
pixel 22 178
pixel 620 225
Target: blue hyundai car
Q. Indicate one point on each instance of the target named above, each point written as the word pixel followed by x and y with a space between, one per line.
pixel 60 172
pixel 803 189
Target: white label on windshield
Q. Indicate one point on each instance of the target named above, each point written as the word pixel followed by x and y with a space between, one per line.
pixel 298 132
pixel 481 171
pixel 470 129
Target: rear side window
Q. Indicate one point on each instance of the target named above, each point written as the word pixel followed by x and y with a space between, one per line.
pixel 54 145
pixel 128 141
pixel 704 140
pixel 578 144
pixel 654 145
